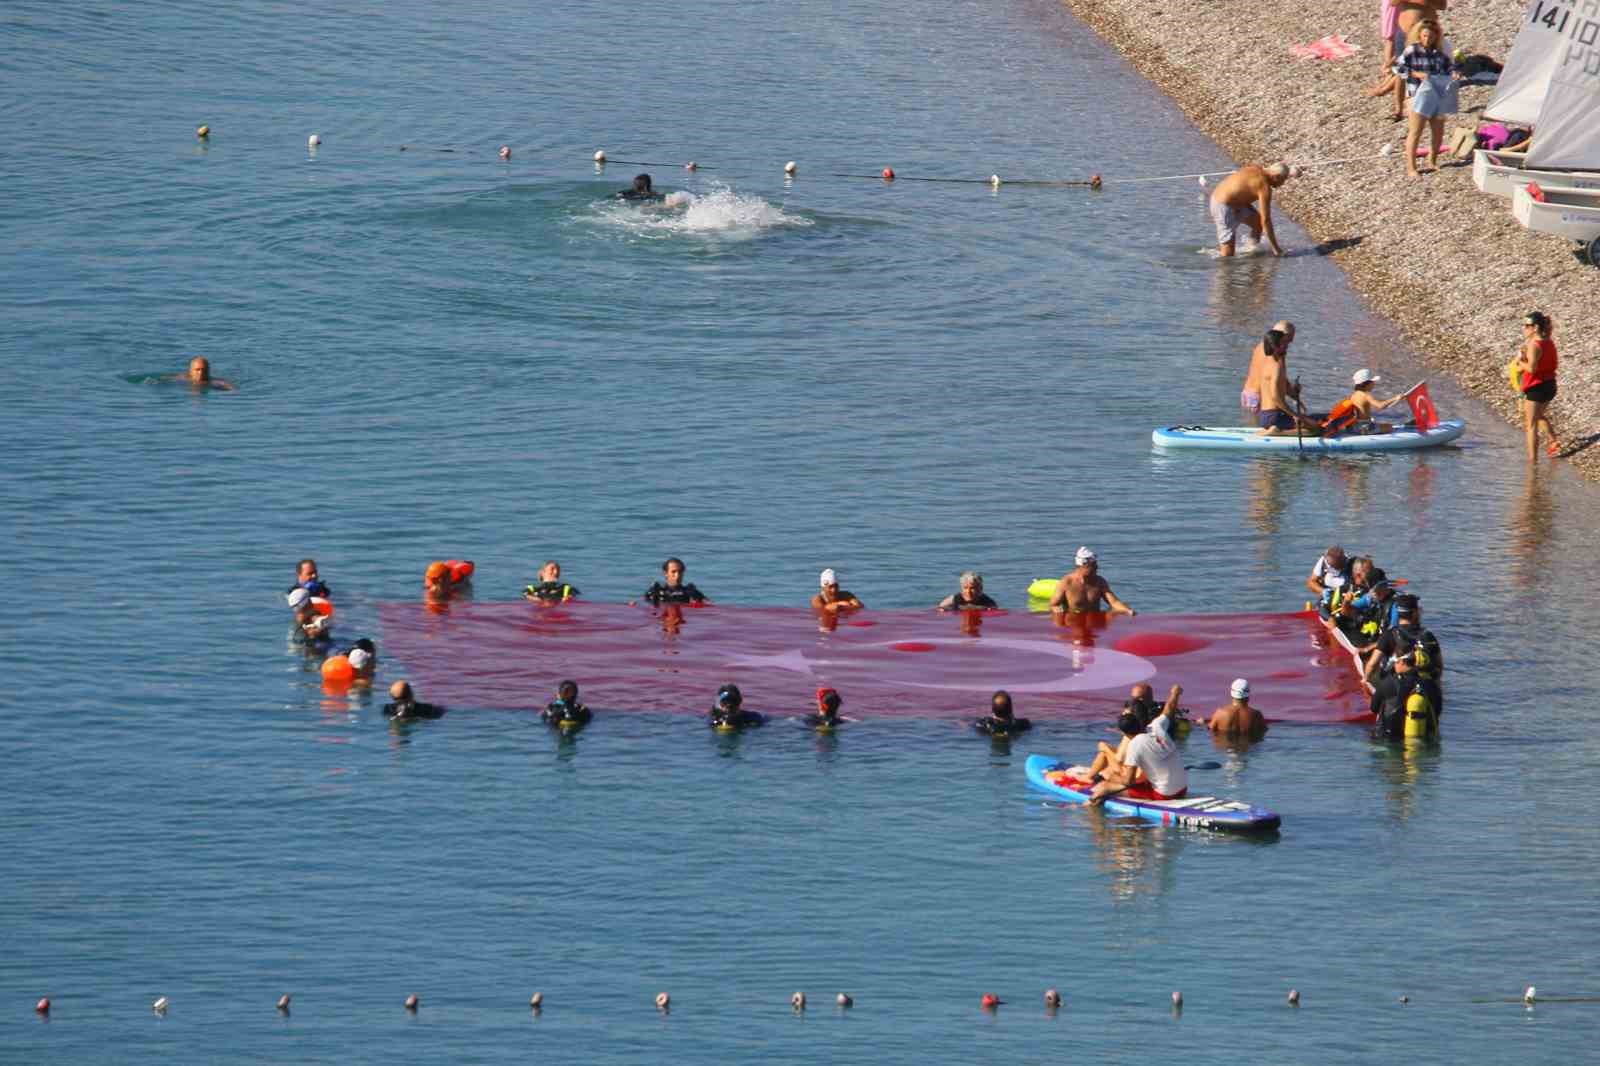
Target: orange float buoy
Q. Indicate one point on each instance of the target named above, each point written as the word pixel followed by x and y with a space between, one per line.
pixel 337 668
pixel 990 1001
pixel 888 173
pixel 459 569
pixel 43 1006
pixel 322 606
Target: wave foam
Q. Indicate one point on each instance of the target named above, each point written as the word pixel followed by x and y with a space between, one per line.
pixel 721 212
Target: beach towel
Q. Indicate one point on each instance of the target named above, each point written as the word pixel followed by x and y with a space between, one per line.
pixel 1332 47
pixel 1436 95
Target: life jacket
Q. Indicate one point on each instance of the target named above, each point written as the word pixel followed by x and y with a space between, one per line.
pixel 1344 415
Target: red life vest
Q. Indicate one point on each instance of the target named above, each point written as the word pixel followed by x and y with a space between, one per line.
pixel 1344 415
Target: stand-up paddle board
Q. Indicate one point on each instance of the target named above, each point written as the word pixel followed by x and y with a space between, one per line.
pixel 1194 812
pixel 1249 439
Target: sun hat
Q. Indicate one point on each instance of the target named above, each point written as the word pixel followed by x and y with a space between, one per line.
pixel 1240 690
pixel 1364 377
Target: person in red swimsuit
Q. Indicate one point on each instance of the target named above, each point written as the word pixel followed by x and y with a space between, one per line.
pixel 1537 359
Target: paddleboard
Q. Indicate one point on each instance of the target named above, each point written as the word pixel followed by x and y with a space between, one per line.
pixel 1247 438
pixel 1192 812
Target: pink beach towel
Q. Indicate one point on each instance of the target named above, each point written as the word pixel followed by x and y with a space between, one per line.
pixel 1332 47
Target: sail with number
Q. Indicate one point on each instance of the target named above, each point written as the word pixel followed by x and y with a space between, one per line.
pixel 1535 55
pixel 1566 134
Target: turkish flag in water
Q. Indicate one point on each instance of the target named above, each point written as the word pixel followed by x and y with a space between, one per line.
pixel 1422 411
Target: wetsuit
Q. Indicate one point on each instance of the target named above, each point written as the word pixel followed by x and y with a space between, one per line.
pixel 551 591
pixel 564 715
pixel 636 196
pixel 823 723
pixel 408 709
pixel 657 594
pixel 725 718
pixel 1398 639
pixel 1002 727
pixel 1146 711
pixel 959 602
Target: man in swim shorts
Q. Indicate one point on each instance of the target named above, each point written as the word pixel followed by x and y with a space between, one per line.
pixel 1244 198
pixel 1238 718
pixel 970 596
pixel 1250 394
pixel 831 598
pixel 1279 395
pixel 1083 590
pixel 550 588
pixel 674 589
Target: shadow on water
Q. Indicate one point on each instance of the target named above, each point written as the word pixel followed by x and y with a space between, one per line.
pixel 1529 528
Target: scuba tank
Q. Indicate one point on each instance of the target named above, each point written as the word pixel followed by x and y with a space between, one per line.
pixel 1420 720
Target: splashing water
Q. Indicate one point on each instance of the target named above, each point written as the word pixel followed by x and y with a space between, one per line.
pixel 721 212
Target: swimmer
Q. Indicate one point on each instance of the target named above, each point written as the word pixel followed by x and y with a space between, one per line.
pixel 970 596
pixel 826 717
pixel 565 712
pixel 311 625
pixel 1244 198
pixel 641 191
pixel 729 713
pixel 674 589
pixel 831 598
pixel 405 707
pixel 550 588
pixel 1238 718
pixel 363 658
pixel 198 376
pixel 1082 590
pixel 305 577
pixel 1002 720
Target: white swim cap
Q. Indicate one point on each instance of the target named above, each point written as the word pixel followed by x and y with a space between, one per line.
pixel 827 577
pixel 360 658
pixel 1240 689
pixel 1085 555
pixel 298 598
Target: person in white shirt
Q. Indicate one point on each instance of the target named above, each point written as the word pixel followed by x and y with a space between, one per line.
pixel 1152 766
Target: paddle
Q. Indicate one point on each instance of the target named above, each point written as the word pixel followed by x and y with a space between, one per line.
pixel 1204 766
pixel 1300 410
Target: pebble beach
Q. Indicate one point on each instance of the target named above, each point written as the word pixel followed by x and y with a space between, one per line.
pixel 1447 264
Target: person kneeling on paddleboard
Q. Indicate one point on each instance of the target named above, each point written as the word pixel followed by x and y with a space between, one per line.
pixel 1151 767
pixel 827 713
pixel 729 713
pixel 1002 720
pixel 565 712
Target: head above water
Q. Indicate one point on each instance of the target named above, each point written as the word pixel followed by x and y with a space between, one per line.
pixel 1086 557
pixel 674 569
pixel 828 701
pixel 306 570
pixel 567 691
pixel 971 579
pixel 399 691
pixel 199 370
pixel 1000 704
pixel 641 183
pixel 729 696
pixel 1240 690
pixel 550 571
pixel 828 579
pixel 1142 692
pixel 1335 557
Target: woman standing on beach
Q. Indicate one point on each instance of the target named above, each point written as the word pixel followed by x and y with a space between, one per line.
pixel 1537 361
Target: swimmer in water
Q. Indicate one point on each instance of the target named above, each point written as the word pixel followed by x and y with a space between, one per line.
pixel 311 625
pixel 970 596
pixel 305 577
pixel 1081 591
pixel 198 376
pixel 565 712
pixel 405 707
pixel 826 717
pixel 674 589
pixel 363 656
pixel 641 192
pixel 550 588
pixel 831 598
pixel 729 714
pixel 1002 720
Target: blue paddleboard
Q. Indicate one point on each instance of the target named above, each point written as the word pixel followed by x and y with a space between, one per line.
pixel 1249 439
pixel 1194 812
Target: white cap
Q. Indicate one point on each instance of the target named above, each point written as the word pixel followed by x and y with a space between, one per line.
pixel 298 599
pixel 1085 555
pixel 827 577
pixel 1240 689
pixel 360 658
pixel 1364 377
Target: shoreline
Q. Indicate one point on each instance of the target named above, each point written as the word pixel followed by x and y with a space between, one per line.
pixel 1457 286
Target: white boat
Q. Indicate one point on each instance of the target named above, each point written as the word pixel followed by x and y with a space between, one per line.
pixel 1502 173
pixel 1562 211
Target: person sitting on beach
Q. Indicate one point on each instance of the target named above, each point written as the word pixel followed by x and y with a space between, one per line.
pixel 729 714
pixel 1279 396
pixel 1083 590
pixel 405 706
pixel 363 656
pixel 1430 81
pixel 550 588
pixel 1238 718
pixel 831 598
pixel 970 596
pixel 1357 412
pixel 305 577
pixel 1001 720
pixel 198 376
pixel 1151 767
pixel 641 191
pixel 673 590
pixel 1250 394
pixel 1244 198
pixel 565 712
pixel 826 716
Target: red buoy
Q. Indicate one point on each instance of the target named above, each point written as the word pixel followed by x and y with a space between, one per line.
pixel 990 1001
pixel 888 173
pixel 43 1006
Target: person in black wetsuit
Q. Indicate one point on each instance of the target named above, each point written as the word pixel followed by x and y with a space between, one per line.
pixel 642 190
pixel 565 712
pixel 729 714
pixel 1002 720
pixel 674 589
pixel 826 717
pixel 1390 695
pixel 1407 632
pixel 970 596
pixel 550 588
pixel 405 707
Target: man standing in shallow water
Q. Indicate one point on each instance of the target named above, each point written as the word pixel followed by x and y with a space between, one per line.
pixel 1244 198
pixel 1083 590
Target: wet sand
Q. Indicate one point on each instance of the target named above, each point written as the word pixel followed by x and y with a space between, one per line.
pixel 1448 264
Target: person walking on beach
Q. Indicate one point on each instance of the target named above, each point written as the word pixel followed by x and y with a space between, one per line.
pixel 1244 198
pixel 1537 360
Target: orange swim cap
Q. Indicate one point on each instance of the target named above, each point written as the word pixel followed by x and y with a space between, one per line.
pixel 436 571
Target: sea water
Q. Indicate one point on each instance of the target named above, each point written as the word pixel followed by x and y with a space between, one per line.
pixel 439 354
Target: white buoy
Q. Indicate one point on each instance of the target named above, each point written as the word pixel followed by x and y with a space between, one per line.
pixel 283 1001
pixel 845 1001
pixel 600 156
pixel 994 179
pixel 663 1001
pixel 1530 995
pixel 790 167
pixel 505 151
pixel 160 1005
pixel 1294 998
pixel 798 1001
pixel 313 140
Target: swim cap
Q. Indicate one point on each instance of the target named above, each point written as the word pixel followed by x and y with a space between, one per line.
pixel 730 694
pixel 828 698
pixel 437 570
pixel 827 577
pixel 1240 689
pixel 360 658
pixel 1130 724
pixel 298 599
pixel 1085 555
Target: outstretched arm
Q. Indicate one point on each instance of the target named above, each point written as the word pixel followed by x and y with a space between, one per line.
pixel 1265 207
pixel 1117 606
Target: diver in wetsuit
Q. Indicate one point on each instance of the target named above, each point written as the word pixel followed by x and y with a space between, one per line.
pixel 674 589
pixel 642 191
pixel 550 588
pixel 826 717
pixel 405 707
pixel 729 713
pixel 1393 694
pixel 1002 720
pixel 565 712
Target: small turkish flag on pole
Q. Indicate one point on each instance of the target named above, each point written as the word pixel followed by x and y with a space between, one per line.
pixel 1422 411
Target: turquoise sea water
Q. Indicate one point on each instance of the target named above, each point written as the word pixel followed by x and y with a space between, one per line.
pixel 439 353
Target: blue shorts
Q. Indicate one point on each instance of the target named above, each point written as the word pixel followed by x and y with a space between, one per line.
pixel 1275 419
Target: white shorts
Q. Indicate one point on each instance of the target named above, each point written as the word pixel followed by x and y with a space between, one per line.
pixel 1228 219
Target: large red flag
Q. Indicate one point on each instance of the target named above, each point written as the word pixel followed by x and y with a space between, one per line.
pixel 1422 411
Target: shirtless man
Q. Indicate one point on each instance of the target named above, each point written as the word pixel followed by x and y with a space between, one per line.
pixel 1278 394
pixel 1238 718
pixel 1082 590
pixel 198 376
pixel 831 598
pixel 1244 198
pixel 1250 395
